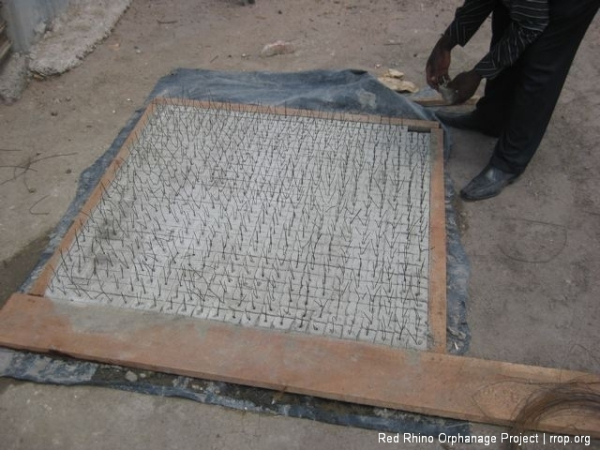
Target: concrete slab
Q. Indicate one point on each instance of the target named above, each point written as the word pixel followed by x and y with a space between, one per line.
pixel 283 220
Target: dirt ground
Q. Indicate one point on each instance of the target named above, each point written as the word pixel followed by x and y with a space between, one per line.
pixel 533 250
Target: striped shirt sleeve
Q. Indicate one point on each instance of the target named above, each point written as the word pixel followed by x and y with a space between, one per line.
pixel 528 19
pixel 468 19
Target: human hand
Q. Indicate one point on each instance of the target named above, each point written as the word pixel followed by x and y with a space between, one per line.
pixel 438 63
pixel 464 85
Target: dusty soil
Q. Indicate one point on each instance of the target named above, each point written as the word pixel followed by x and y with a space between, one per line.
pixel 16 269
pixel 534 250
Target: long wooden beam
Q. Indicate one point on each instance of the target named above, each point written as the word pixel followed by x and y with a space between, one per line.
pixel 422 382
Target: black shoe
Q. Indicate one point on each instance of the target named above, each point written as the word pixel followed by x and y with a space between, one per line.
pixel 487 184
pixel 469 121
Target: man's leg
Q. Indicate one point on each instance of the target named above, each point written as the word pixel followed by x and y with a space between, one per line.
pixel 494 105
pixel 543 69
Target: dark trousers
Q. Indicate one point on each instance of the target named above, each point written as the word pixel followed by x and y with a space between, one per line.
pixel 521 99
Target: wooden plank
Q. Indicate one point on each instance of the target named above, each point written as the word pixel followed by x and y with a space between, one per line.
pixel 439 101
pixel 437 245
pixel 422 382
pixel 414 125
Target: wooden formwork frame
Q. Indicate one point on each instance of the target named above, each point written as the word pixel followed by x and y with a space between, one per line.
pixel 431 382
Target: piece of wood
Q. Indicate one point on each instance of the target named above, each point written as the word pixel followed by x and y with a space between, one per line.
pixel 412 124
pixel 422 382
pixel 437 244
pixel 439 101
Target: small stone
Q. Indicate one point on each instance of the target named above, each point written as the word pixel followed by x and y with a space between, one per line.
pixel 131 377
pixel 276 48
pixel 40 28
pixel 68 171
pixel 54 113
